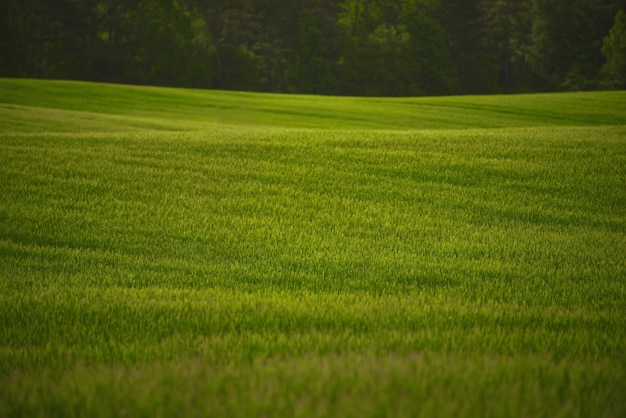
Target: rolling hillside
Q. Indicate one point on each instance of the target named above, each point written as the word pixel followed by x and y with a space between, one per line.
pixel 200 253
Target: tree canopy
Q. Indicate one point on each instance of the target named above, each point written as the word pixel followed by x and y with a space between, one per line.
pixel 343 47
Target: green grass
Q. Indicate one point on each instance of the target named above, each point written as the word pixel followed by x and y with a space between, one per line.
pixel 199 253
pixel 74 107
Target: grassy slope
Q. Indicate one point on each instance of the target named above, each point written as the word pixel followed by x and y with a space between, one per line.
pixel 71 106
pixel 172 251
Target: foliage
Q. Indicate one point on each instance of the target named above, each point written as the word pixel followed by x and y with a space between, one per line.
pixel 567 42
pixel 475 72
pixel 311 71
pixel 434 69
pixel 614 49
pixel 507 33
pixel 354 47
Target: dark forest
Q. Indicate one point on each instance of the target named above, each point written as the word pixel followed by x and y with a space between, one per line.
pixel 348 47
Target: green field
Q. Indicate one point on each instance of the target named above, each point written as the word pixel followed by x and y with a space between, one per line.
pixel 171 252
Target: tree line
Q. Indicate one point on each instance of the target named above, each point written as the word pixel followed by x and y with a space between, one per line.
pixel 343 47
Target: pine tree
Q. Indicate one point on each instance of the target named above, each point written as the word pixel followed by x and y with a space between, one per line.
pixel 311 71
pixel 614 49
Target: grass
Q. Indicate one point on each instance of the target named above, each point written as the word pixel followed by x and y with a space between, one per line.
pixel 179 252
pixel 74 107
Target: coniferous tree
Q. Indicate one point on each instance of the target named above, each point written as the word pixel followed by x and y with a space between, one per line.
pixel 357 47
pixel 567 42
pixel 614 49
pixel 433 68
pixel 507 31
pixel 476 71
pixel 311 71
